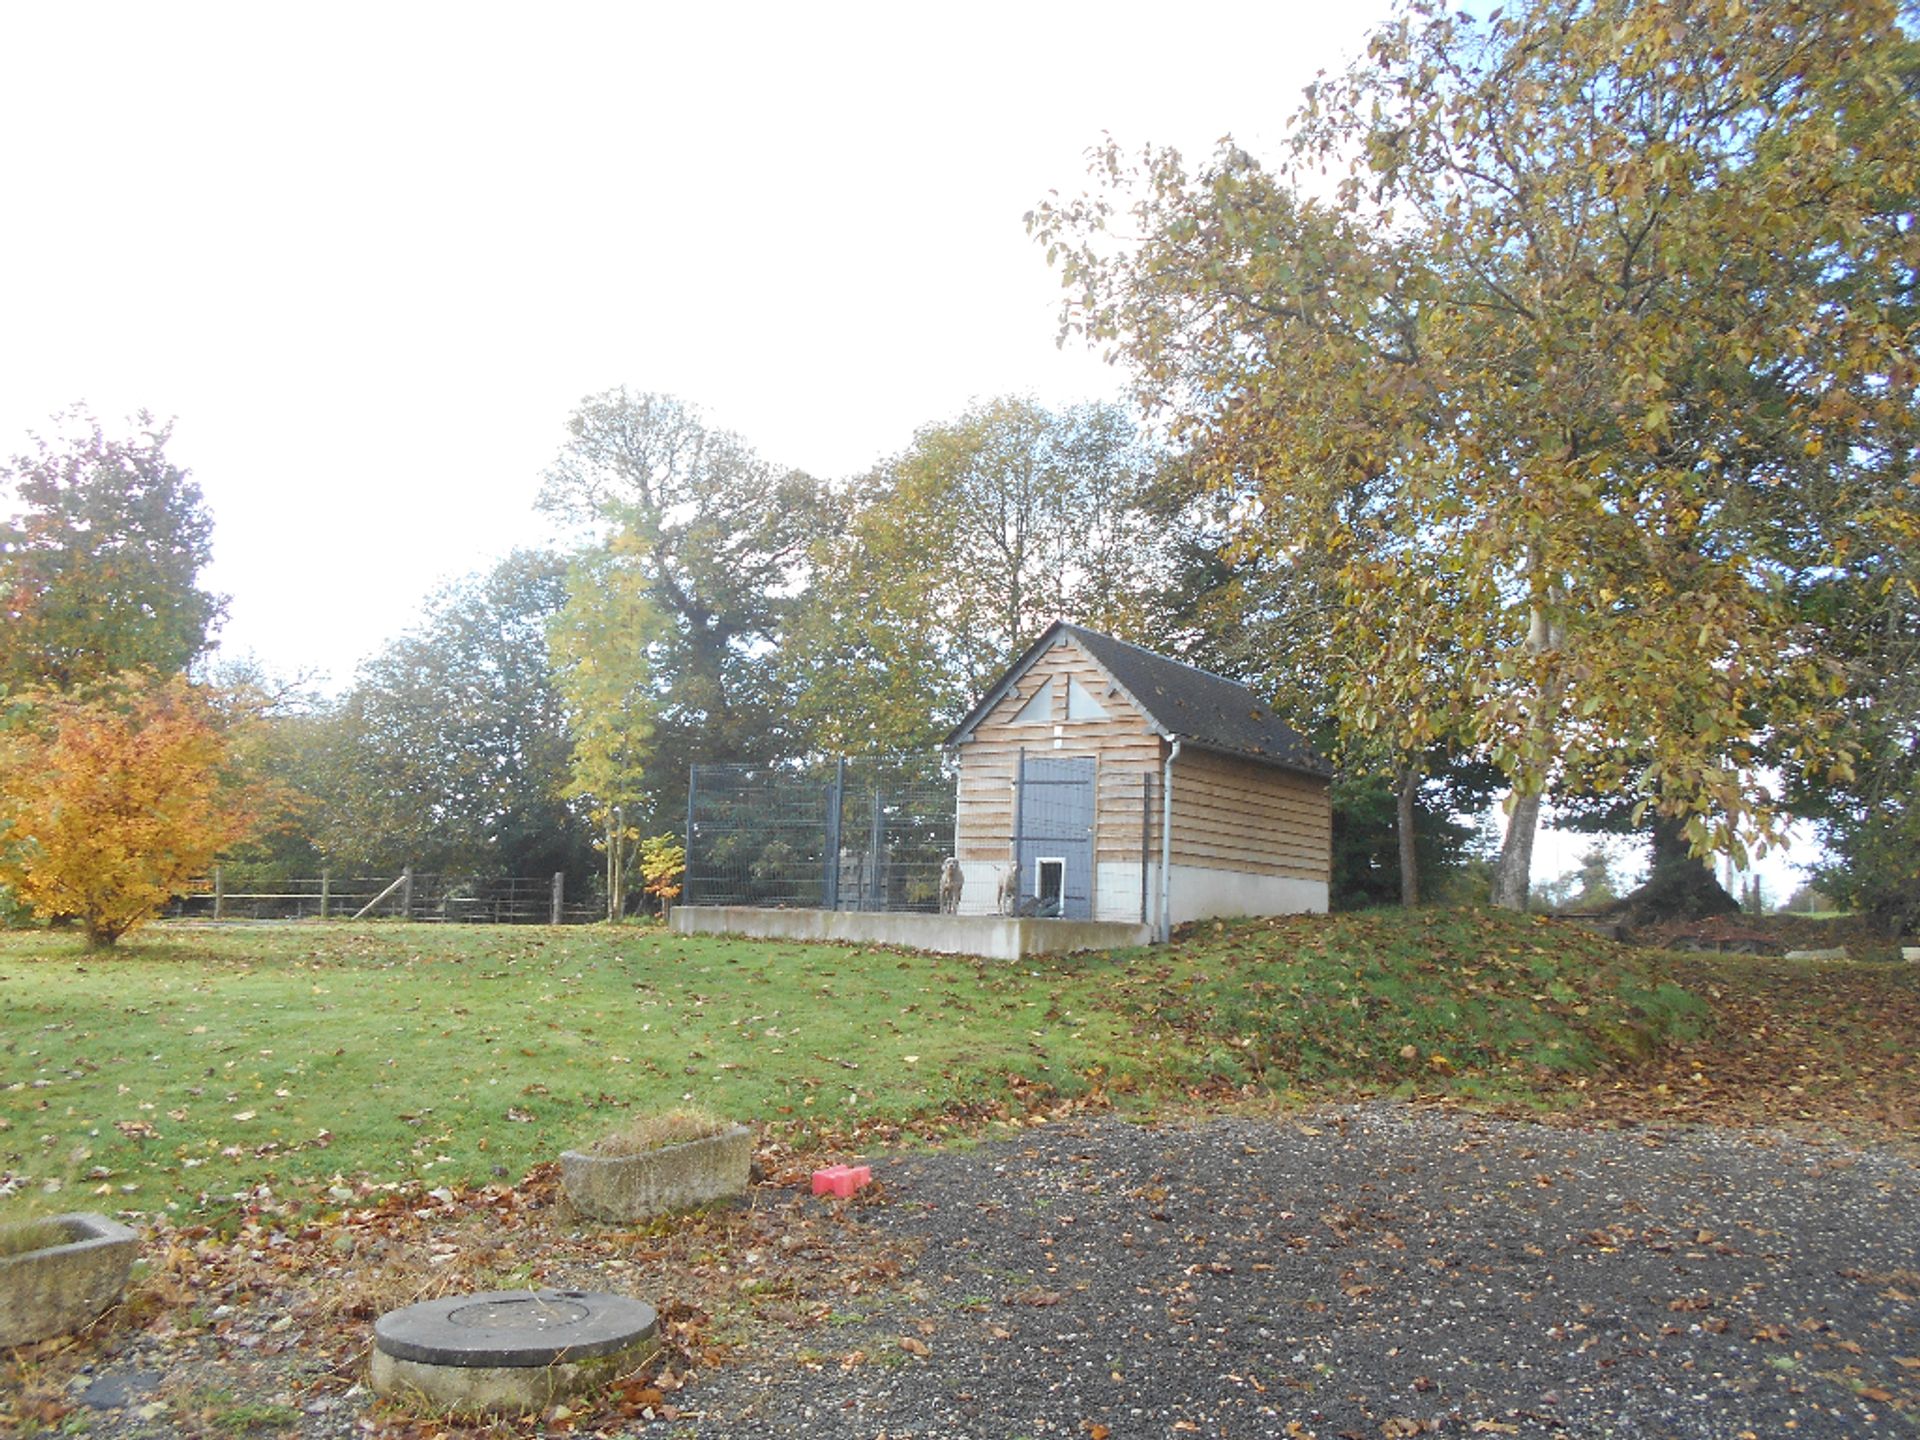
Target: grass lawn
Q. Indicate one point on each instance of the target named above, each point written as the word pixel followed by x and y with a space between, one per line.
pixel 196 1063
pixel 214 1059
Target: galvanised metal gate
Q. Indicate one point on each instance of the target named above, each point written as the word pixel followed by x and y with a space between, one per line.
pixel 1053 837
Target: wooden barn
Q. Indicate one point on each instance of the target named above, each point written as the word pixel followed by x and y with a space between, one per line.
pixel 1101 781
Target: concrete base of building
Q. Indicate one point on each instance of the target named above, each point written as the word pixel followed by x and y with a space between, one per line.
pixel 994 937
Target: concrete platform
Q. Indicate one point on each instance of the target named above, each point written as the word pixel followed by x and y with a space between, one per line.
pixel 994 937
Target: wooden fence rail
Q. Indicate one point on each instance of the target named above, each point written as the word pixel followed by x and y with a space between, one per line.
pixel 410 895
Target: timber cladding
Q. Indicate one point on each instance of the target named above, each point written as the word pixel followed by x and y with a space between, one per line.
pixel 1124 748
pixel 1264 815
pixel 1231 814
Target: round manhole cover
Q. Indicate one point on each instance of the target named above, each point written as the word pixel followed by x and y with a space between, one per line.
pixel 530 1312
pixel 514 1327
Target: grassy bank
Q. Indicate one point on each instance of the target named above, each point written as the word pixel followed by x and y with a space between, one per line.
pixel 1468 999
pixel 202 1062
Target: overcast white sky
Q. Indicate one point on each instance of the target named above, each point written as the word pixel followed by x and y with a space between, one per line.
pixel 371 255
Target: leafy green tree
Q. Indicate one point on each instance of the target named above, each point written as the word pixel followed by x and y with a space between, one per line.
pixel 100 557
pixel 1870 823
pixel 719 539
pixel 599 643
pixel 957 553
pixel 1570 372
pixel 1268 618
pixel 450 752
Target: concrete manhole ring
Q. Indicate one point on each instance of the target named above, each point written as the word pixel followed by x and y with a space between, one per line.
pixel 510 1350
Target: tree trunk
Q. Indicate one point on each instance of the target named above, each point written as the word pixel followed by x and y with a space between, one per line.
pixel 1406 791
pixel 1680 886
pixel 616 866
pixel 1513 876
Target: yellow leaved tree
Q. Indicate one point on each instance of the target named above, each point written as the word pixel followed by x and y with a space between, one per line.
pixel 114 797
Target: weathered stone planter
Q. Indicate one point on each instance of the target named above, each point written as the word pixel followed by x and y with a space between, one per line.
pixel 60 1287
pixel 633 1187
pixel 509 1352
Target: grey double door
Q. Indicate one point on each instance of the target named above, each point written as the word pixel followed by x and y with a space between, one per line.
pixel 1053 837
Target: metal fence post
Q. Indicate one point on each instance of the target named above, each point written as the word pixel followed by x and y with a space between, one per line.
pixel 830 889
pixel 874 897
pixel 686 872
pixel 559 893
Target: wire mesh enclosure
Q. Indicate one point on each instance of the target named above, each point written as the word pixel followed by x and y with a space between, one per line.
pixel 850 834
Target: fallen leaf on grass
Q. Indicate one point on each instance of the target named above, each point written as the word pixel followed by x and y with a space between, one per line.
pixel 915 1347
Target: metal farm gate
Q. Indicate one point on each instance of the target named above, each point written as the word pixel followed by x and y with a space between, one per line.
pixel 1053 837
pixel 867 833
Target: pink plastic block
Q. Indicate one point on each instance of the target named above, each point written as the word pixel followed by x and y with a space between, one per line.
pixel 841 1180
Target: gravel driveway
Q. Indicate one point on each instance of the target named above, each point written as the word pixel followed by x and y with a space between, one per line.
pixel 1370 1271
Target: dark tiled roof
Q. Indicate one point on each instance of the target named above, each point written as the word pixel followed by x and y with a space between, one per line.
pixel 1195 705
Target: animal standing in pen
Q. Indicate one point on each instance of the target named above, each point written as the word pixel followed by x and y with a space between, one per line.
pixel 1009 888
pixel 951 881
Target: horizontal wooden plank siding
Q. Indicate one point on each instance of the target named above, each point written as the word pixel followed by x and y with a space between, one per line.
pixel 1233 814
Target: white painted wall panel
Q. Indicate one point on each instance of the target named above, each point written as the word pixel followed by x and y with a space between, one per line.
pixel 1200 894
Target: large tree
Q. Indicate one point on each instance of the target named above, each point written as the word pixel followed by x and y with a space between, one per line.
pixel 1871 822
pixel 1270 617
pixel 1557 331
pixel 958 552
pixel 102 540
pixel 718 539
pixel 450 752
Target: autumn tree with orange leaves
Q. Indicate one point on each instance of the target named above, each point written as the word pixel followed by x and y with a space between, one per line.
pixel 114 796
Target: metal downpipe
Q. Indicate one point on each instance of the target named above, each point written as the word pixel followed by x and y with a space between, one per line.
pixel 1166 843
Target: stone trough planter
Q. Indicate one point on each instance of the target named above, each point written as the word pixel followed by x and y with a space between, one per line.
pixel 673 1177
pixel 60 1285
